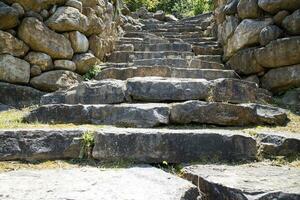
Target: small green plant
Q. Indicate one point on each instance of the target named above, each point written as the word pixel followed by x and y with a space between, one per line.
pixel 92 73
pixel 88 143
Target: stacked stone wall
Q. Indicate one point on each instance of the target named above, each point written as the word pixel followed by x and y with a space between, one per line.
pixel 261 40
pixel 50 44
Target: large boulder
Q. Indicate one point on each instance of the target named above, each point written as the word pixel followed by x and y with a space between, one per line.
pixel 280 79
pixel 292 23
pixel 68 19
pixel 14 70
pixel 42 60
pixel 9 17
pixel 244 62
pixel 229 26
pixel 246 34
pixel 19 96
pixel 80 43
pixel 54 80
pixel 40 38
pixel 11 45
pixel 96 24
pixel 248 9
pixel 269 34
pixel 273 6
pixel 84 62
pixel 36 5
pixel 278 53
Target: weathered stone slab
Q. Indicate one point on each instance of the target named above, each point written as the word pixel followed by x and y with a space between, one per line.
pixel 247 182
pixel 171 145
pixel 19 96
pixel 172 62
pixel 125 115
pixel 98 92
pixel 165 47
pixel 135 183
pixel 226 114
pixel 39 144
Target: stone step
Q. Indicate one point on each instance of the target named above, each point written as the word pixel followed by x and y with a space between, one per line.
pixel 158 114
pixel 164 71
pixel 115 65
pixel 249 181
pixel 127 40
pixel 179 35
pixel 165 47
pixel 179 63
pixel 158 89
pixel 207 50
pixel 129 56
pixel 210 58
pixel 174 30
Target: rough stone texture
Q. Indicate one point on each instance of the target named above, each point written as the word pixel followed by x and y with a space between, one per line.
pixel 292 23
pixel 42 60
pixel 126 115
pixel 12 45
pixel 248 9
pixel 279 17
pixel 40 38
pixel 14 70
pixel 19 96
pixel 64 65
pixel 273 6
pixel 9 17
pixel 292 97
pixel 4 108
pixel 84 62
pixel 230 24
pixel 19 8
pixel 164 71
pixel 68 19
pixel 40 144
pixel 278 53
pixel 226 114
pixel 75 4
pixel 244 62
pixel 135 183
pixel 100 92
pixel 79 42
pixel 36 5
pixel 278 144
pixel 253 78
pixel 231 7
pixel 281 79
pixel 35 70
pixel 54 80
pixel 246 182
pixel 269 34
pixel 171 145
pixel 246 34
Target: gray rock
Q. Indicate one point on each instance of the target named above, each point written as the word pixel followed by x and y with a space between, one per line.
pixel 68 19
pixel 281 79
pixel 273 6
pixel 14 70
pixel 19 8
pixel 244 62
pixel 40 144
pixel 9 17
pixel 42 60
pixel 231 7
pixel 79 42
pixel 253 78
pixel 34 15
pixel 4 108
pixel 291 97
pixel 135 183
pixel 230 24
pixel 226 114
pixel 269 34
pixel 40 38
pixel 75 4
pixel 12 45
pixel 35 70
pixel 159 15
pixel 172 145
pixel 45 14
pixel 278 53
pixel 248 182
pixel 36 6
pixel 170 18
pixel 125 115
pixel 54 80
pixel 84 62
pixel 100 92
pixel 64 65
pixel 19 96
pixel 292 23
pixel 279 17
pixel 246 34
pixel 248 9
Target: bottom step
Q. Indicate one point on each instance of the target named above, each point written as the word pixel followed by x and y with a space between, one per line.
pixel 245 182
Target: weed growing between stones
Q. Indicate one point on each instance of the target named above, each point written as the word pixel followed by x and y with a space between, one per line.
pixel 92 73
pixel 87 145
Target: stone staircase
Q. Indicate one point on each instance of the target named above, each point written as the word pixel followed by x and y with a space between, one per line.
pixel 165 74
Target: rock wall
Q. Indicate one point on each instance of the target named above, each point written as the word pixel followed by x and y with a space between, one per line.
pixel 261 40
pixel 49 44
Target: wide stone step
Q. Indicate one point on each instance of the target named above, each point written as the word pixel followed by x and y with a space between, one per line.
pixel 253 181
pixel 210 58
pixel 164 71
pixel 207 50
pixel 179 35
pixel 172 146
pixel 179 63
pixel 129 56
pixel 131 40
pixel 165 47
pixel 158 89
pixel 153 115
pixel 174 30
